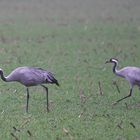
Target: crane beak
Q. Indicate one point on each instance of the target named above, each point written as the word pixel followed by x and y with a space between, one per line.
pixel 107 62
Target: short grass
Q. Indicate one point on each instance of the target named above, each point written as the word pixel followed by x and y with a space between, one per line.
pixel 76 53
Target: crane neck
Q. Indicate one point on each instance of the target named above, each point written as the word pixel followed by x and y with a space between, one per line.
pixel 115 68
pixel 2 76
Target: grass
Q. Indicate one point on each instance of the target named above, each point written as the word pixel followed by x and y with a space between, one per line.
pixel 76 52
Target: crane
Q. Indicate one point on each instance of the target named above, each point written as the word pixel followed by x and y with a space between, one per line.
pixel 130 73
pixel 31 76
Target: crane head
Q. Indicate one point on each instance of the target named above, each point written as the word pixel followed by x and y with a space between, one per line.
pixel 112 60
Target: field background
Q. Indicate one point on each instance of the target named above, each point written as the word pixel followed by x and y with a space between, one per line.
pixel 72 38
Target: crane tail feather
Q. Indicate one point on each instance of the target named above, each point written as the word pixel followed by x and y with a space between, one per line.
pixel 57 83
pixel 52 80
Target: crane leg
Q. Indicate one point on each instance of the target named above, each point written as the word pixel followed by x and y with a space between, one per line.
pixel 27 100
pixel 124 97
pixel 47 98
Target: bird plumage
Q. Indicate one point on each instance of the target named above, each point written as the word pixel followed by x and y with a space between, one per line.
pixel 30 76
pixel 130 73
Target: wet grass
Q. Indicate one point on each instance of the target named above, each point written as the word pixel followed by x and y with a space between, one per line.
pixel 76 55
pixel 76 52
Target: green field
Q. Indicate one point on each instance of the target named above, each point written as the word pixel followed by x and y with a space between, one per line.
pixel 73 39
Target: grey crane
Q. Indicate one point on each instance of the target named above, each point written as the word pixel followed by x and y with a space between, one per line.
pixel 130 73
pixel 31 76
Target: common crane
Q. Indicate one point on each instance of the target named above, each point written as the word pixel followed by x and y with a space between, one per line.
pixel 130 73
pixel 31 76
